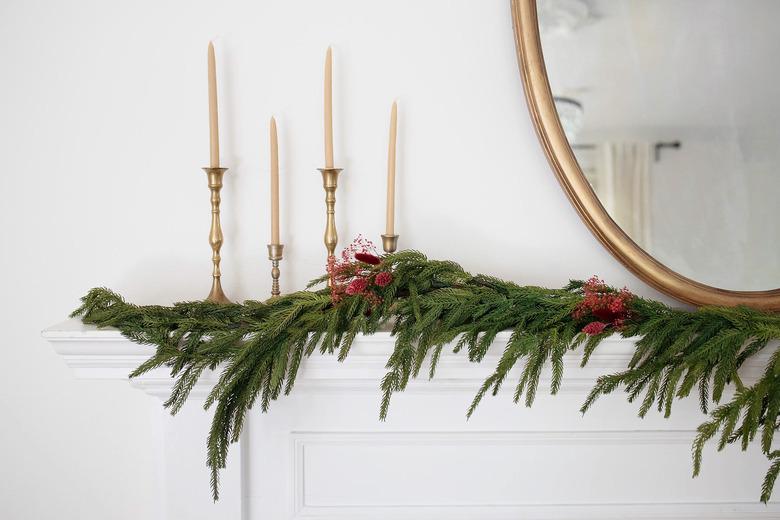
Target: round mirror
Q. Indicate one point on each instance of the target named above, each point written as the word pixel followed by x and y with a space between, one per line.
pixel 662 121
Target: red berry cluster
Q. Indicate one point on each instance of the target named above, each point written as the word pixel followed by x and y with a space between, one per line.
pixel 603 306
pixel 355 272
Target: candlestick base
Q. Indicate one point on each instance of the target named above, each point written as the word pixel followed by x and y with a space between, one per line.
pixel 275 254
pixel 389 243
pixel 215 175
pixel 217 295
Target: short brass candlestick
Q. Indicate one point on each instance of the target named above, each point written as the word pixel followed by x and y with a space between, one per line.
pixel 215 176
pixel 389 243
pixel 275 253
pixel 330 178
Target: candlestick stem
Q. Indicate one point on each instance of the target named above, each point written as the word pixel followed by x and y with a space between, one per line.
pixel 275 254
pixel 216 238
pixel 330 177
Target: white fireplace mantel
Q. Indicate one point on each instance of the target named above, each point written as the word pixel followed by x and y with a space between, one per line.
pixel 322 452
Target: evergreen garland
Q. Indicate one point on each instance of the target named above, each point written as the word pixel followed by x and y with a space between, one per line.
pixel 259 346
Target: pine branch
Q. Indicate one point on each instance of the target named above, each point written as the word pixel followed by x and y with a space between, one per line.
pixel 259 347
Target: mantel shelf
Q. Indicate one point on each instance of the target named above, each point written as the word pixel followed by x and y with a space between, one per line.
pixel 94 353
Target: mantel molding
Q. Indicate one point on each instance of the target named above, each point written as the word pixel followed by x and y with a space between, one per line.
pixel 105 354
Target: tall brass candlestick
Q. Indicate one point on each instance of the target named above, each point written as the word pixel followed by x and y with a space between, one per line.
pixel 275 248
pixel 330 175
pixel 330 178
pixel 215 176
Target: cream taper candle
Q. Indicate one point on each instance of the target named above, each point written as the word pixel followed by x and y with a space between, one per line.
pixel 213 117
pixel 328 108
pixel 390 221
pixel 274 184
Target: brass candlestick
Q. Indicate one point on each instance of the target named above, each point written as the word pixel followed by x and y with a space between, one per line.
pixel 215 176
pixel 330 178
pixel 275 253
pixel 389 243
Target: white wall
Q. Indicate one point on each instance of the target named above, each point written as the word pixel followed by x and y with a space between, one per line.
pixel 103 130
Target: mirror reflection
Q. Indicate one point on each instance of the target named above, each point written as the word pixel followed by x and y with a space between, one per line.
pixel 673 112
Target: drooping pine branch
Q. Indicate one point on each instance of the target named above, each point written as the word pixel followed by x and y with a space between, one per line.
pixel 259 346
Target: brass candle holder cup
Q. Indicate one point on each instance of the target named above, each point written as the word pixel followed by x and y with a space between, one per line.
pixel 330 178
pixel 216 238
pixel 275 254
pixel 390 243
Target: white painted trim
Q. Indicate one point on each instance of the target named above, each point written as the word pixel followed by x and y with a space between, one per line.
pixel 94 353
pixel 615 511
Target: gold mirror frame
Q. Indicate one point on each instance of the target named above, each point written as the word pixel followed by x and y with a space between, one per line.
pixel 575 185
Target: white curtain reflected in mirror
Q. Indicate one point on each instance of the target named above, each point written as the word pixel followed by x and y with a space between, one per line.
pixel 671 109
pixel 620 173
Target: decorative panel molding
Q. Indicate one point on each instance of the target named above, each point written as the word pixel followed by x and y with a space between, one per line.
pixel 503 475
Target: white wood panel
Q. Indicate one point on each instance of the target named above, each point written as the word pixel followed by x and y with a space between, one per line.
pixel 503 475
